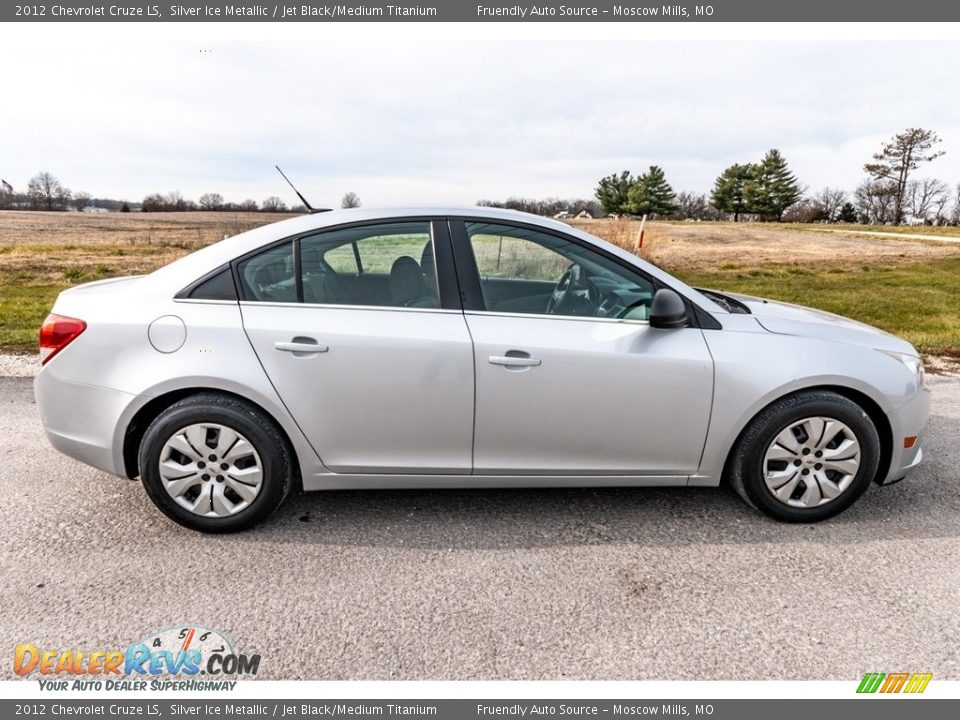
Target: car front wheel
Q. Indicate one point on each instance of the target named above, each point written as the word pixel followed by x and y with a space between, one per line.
pixel 806 457
pixel 215 464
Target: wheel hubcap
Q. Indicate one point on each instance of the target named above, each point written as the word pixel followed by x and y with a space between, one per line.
pixel 811 462
pixel 210 470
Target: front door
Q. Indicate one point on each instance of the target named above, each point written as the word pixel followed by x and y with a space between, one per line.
pixel 571 379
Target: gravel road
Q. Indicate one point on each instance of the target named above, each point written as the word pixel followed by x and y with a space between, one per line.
pixel 593 584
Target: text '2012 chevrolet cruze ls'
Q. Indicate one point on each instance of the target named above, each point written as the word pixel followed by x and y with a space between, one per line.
pixel 472 348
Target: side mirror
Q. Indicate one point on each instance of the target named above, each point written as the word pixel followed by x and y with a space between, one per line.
pixel 668 310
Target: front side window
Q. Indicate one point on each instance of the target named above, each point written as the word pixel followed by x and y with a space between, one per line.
pixel 528 271
pixel 388 265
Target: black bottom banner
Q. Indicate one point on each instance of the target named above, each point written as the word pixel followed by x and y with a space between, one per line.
pixel 874 708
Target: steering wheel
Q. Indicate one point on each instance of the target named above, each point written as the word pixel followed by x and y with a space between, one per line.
pixel 571 281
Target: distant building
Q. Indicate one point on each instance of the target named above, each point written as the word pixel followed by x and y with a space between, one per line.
pixel 94 209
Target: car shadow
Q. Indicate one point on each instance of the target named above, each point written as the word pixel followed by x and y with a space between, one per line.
pixel 925 505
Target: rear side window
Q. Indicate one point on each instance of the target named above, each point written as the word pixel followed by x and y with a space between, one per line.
pixel 269 276
pixel 218 287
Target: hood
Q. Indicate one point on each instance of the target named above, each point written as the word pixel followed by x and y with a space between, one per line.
pixel 786 319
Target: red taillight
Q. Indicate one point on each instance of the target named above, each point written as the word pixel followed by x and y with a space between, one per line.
pixel 56 333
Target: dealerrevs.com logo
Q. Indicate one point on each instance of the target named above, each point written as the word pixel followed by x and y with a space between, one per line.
pixel 173 658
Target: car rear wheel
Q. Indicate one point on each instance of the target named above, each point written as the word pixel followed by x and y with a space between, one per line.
pixel 806 457
pixel 215 464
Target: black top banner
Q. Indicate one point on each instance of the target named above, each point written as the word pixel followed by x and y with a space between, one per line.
pixel 481 11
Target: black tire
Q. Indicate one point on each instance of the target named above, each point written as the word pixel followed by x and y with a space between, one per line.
pixel 251 422
pixel 746 462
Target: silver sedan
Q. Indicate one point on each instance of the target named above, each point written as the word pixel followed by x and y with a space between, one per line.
pixel 463 348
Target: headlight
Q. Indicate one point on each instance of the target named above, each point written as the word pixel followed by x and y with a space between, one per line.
pixel 912 363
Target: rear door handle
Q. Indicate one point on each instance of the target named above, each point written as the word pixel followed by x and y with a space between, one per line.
pixel 296 347
pixel 512 361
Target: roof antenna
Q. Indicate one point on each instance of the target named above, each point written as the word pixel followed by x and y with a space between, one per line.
pixel 307 205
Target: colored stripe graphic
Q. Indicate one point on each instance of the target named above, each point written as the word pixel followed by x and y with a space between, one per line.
pixel 894 682
pixel 918 682
pixel 870 682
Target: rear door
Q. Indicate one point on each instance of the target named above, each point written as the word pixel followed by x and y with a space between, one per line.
pixel 366 344
pixel 571 379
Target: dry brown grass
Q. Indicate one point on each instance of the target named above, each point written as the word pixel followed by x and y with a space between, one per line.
pixel 173 229
pixel 730 246
pixel 44 247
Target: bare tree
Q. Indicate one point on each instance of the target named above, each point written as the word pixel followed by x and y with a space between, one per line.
pixel 273 204
pixel 155 202
pixel 955 216
pixel 211 201
pixel 925 198
pixel 695 206
pixel 899 157
pixel 875 201
pixel 45 190
pixel 350 200
pixel 173 200
pixel 830 200
pixel 249 205
pixel 807 210
pixel 81 200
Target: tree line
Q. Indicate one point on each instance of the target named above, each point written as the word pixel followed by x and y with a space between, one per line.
pixel 46 192
pixel 767 190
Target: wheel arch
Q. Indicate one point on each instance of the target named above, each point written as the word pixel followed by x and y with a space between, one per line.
pixel 870 406
pixel 138 424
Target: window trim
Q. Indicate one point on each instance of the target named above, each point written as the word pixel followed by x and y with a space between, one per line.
pixel 447 278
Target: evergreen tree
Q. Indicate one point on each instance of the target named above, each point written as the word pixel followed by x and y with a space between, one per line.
pixel 771 187
pixel 612 193
pixel 848 213
pixel 728 190
pixel 651 194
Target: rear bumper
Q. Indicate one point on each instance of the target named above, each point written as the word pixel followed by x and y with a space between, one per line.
pixel 908 420
pixel 81 420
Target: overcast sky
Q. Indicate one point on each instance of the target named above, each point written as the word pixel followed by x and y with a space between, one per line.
pixel 432 123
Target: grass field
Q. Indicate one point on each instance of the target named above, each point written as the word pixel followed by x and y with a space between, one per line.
pixel 906 286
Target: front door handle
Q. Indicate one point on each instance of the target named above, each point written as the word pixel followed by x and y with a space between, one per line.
pixel 517 360
pixel 299 346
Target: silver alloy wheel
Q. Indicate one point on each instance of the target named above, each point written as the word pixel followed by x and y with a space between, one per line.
pixel 211 470
pixel 811 462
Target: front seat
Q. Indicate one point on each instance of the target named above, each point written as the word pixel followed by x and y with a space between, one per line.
pixel 407 286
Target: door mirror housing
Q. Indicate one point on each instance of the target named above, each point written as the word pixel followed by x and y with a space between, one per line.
pixel 668 310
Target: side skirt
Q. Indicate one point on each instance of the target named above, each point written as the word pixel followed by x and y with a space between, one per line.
pixel 336 481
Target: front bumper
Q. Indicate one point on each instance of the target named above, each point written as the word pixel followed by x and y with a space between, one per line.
pixel 908 420
pixel 81 420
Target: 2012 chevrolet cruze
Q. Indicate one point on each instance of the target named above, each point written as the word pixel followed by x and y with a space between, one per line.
pixel 468 348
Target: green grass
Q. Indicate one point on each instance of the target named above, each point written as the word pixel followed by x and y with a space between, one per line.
pixel 22 309
pixel 920 302
pixel 24 303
